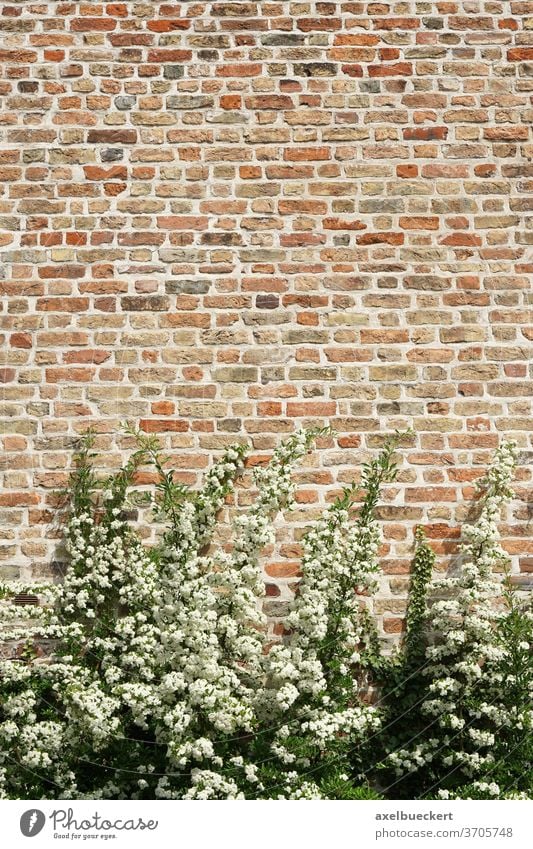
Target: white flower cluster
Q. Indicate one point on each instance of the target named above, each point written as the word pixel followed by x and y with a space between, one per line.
pixel 328 630
pixel 159 680
pixel 169 644
pixel 466 704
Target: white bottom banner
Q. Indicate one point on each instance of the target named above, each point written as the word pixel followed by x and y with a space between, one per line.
pixel 254 825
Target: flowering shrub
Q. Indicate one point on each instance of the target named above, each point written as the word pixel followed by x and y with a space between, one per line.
pixel 159 681
pixel 460 692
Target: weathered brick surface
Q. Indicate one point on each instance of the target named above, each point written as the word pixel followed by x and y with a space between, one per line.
pixel 227 219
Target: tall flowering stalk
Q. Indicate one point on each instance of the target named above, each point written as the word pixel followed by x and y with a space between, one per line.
pixel 211 607
pixel 313 680
pixel 465 718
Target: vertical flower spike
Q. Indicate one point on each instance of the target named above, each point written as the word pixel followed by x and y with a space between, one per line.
pixel 464 715
pixel 312 682
pixel 217 648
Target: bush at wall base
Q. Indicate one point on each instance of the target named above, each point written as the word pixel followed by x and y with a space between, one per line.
pixel 159 680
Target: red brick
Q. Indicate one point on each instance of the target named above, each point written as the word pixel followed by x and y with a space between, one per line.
pixel 164 425
pixel 169 55
pixel 117 10
pixel 246 69
pixel 284 569
pixel 307 154
pixel 183 222
pixel 419 222
pixel 352 70
pixel 396 24
pixel 520 54
pixel 342 224
pixel 21 340
pixel 17 57
pixel 18 499
pixel 363 40
pixel 54 55
pixel 400 69
pixel 269 408
pixel 71 305
pixel 425 133
pixel 447 171
pixel 92 24
pixel 69 375
pixel 381 238
pixel 309 207
pixel 168 25
pixel 7 375
pixel 485 170
pixel 514 133
pixel 429 494
pixel 95 172
pixel 407 171
pixel 230 101
pixel 163 408
pixel 458 239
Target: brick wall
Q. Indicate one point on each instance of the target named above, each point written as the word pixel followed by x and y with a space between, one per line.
pixel 227 219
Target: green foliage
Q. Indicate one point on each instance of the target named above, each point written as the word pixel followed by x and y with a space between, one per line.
pixel 341 787
pixel 421 574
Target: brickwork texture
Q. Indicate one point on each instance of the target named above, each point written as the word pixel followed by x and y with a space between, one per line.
pixel 228 219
